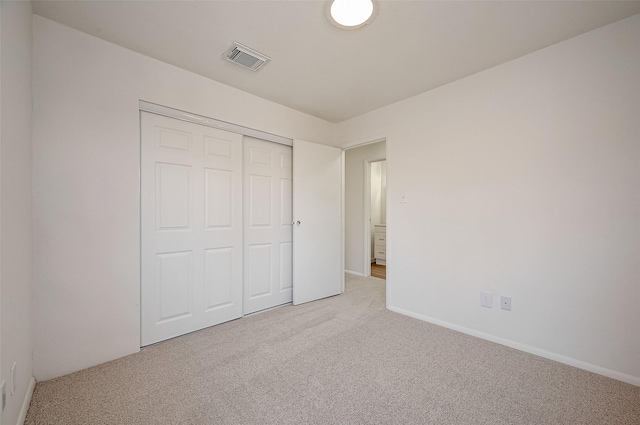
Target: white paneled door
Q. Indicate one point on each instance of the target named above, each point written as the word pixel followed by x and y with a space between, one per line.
pixel 317 211
pixel 191 227
pixel 267 182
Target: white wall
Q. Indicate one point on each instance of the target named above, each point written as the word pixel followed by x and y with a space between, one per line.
pixel 15 199
pixel 354 203
pixel 524 180
pixel 86 183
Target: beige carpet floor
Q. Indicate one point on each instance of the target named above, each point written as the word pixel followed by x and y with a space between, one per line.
pixel 342 360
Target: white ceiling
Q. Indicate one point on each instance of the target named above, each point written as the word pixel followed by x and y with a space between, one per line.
pixel 410 47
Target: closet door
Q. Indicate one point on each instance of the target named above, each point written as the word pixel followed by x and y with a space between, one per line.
pixel 267 225
pixel 191 227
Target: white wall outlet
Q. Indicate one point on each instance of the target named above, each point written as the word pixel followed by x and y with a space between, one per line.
pixel 486 299
pixel 403 198
pixel 505 303
pixel 13 378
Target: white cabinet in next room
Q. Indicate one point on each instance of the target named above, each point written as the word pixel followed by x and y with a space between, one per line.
pixel 380 244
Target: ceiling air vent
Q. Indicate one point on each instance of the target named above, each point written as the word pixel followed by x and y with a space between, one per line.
pixel 245 56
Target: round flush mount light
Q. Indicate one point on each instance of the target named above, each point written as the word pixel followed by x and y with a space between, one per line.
pixel 351 14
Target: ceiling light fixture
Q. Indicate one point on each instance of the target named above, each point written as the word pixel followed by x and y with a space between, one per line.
pixel 351 14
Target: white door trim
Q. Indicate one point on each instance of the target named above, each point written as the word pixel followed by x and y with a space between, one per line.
pixel 154 108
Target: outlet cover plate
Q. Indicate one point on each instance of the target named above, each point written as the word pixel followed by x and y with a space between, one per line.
pixel 486 299
pixel 505 303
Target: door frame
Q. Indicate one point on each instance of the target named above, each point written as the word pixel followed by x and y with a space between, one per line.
pixel 367 215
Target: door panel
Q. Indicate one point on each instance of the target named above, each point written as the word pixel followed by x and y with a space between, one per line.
pixel 218 277
pixel 173 196
pixel 260 199
pixel 267 266
pixel 317 207
pixel 218 198
pixel 191 227
pixel 173 274
pixel 259 270
pixel 286 265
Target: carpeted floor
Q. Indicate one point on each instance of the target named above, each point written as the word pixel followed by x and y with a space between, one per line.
pixel 342 360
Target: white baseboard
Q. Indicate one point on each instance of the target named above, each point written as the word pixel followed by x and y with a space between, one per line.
pixel 352 273
pixel 26 402
pixel 629 379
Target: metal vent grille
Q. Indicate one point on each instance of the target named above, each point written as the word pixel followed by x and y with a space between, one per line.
pixel 246 57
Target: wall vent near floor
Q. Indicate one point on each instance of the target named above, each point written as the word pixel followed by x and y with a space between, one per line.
pixel 246 57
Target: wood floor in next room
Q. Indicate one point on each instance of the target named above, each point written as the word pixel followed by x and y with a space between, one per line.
pixel 378 271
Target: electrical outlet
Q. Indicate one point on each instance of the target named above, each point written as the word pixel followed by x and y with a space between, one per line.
pixel 13 379
pixel 486 299
pixel 505 303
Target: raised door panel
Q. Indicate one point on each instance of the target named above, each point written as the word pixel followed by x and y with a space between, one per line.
pixel 259 257
pixel 260 201
pixel 218 194
pixel 173 196
pixel 173 140
pixel 219 146
pixel 218 277
pixel 286 266
pixel 175 285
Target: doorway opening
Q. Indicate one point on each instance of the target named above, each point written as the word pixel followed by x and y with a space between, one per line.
pixel 365 208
